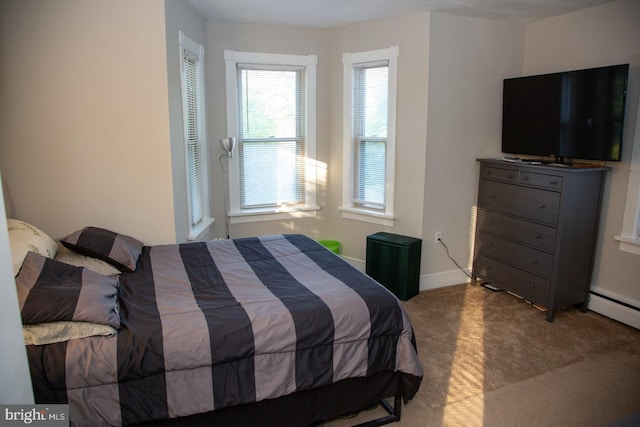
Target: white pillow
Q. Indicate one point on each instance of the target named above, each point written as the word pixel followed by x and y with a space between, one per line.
pixel 25 237
pixel 94 264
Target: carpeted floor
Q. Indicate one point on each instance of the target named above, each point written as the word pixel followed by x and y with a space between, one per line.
pixel 491 359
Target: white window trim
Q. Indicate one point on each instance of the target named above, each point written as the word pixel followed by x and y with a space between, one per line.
pixel 186 44
pixel 349 60
pixel 232 58
pixel 629 238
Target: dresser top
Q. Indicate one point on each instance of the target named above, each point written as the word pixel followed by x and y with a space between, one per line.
pixel 557 167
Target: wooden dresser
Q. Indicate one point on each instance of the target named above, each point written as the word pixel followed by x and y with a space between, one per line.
pixel 536 230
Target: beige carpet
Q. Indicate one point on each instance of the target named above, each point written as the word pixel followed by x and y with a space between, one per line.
pixel 491 359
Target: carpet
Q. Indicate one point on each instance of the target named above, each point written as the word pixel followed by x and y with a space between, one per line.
pixel 491 359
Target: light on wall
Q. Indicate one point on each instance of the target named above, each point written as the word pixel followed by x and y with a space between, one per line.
pixel 229 144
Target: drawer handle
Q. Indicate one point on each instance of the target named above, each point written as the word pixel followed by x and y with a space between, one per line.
pixel 492 196
pixel 553 183
pixel 541 206
pixel 535 262
pixel 538 236
pixel 490 222
pixel 532 286
pixel 510 176
pixel 525 178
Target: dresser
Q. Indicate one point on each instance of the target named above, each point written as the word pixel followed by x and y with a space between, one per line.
pixel 536 230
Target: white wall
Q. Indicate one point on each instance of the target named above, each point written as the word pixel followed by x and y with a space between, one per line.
pixel 15 380
pixel 469 58
pixel 84 116
pixel 602 35
pixel 411 34
pixel 267 39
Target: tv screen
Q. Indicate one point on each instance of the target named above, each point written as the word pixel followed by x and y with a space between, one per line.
pixel 568 115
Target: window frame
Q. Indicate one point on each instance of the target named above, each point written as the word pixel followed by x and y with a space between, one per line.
pixel 629 237
pixel 236 213
pixel 195 51
pixel 349 209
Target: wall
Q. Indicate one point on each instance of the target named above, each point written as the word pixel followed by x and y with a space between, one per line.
pixel 267 39
pixel 180 16
pixel 84 116
pixel 450 72
pixel 599 36
pixel 15 384
pixel 469 58
pixel 411 34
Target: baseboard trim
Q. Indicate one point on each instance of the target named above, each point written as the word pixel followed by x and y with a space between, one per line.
pixel 357 263
pixel 442 279
pixel 427 281
pixel 622 312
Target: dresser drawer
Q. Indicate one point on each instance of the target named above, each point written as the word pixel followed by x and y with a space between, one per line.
pixel 531 203
pixel 536 235
pixel 552 182
pixel 527 285
pixel 500 174
pixel 531 260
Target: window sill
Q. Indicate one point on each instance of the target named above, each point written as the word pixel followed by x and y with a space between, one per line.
pixel 199 230
pixel 629 244
pixel 258 215
pixel 367 216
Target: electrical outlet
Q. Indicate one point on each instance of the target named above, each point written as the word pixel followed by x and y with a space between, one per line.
pixel 438 237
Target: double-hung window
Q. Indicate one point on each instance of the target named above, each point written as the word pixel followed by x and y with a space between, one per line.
pixel 271 111
pixel 629 238
pixel 369 135
pixel 192 80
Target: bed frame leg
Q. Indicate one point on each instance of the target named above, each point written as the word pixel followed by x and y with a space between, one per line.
pixel 393 411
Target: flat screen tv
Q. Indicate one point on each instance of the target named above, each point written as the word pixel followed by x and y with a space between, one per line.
pixel 568 115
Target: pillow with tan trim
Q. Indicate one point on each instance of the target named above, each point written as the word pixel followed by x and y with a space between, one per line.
pixel 24 237
pixel 94 264
pixel 119 250
pixel 51 291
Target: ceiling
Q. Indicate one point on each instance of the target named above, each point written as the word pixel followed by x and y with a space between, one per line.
pixel 338 13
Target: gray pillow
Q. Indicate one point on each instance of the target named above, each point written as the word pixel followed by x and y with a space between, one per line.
pixel 119 250
pixel 50 291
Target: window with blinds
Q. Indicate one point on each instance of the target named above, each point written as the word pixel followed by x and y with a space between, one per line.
pixel 193 138
pixel 192 80
pixel 369 135
pixel 370 111
pixel 271 112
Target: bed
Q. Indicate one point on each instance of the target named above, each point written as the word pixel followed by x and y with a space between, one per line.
pixel 272 330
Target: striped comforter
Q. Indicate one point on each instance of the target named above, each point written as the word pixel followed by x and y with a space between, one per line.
pixel 221 323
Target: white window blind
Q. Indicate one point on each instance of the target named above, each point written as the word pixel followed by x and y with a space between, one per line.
pixel 371 101
pixel 193 138
pixel 271 118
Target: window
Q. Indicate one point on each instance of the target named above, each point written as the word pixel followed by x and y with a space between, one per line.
pixel 271 111
pixel 192 80
pixel 369 135
pixel 629 238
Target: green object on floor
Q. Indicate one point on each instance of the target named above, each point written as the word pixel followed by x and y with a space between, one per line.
pixel 332 245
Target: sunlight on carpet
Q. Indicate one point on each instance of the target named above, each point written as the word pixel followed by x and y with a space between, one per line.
pixel 467 374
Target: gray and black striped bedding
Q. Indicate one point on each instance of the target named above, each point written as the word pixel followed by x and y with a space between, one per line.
pixel 220 323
